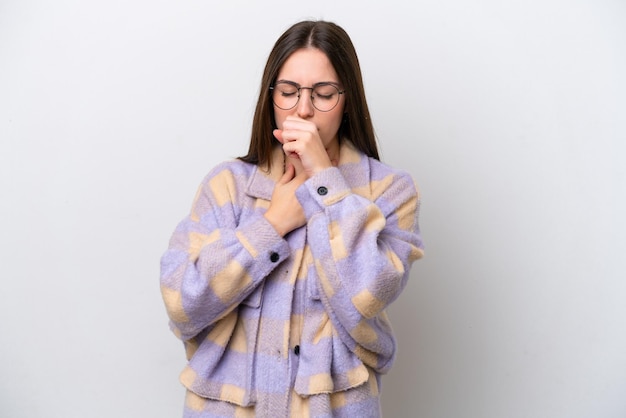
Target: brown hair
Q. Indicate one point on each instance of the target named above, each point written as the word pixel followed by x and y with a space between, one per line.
pixel 336 44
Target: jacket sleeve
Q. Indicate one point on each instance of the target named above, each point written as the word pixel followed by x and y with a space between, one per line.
pixel 214 260
pixel 363 250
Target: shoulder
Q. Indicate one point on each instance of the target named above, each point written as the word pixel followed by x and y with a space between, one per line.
pixel 234 169
pixel 390 183
pixel 372 177
pixel 227 181
pixel 380 171
pixel 370 167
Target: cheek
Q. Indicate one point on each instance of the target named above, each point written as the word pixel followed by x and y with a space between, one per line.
pixel 279 117
pixel 334 121
pixel 330 126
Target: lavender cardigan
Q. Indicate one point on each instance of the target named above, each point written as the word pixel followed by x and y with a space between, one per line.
pixel 295 325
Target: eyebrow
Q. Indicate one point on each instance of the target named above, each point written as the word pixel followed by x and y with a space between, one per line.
pixel 334 83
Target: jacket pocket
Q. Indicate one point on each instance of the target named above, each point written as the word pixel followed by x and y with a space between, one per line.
pixel 222 366
pixel 326 364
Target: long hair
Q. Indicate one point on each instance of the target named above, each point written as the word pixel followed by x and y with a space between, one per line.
pixel 336 44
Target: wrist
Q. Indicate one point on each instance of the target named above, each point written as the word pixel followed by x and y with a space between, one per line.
pixel 276 224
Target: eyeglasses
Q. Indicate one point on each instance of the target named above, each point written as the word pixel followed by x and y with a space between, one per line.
pixel 324 96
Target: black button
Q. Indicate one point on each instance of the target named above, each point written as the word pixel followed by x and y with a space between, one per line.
pixel 296 350
pixel 274 257
pixel 322 191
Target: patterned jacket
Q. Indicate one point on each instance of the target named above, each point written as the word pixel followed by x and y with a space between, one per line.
pixel 292 326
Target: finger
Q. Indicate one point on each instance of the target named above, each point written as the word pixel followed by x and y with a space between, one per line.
pixel 289 174
pixel 296 123
pixel 290 135
pixel 291 154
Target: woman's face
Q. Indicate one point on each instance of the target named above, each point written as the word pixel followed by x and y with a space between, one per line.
pixel 306 68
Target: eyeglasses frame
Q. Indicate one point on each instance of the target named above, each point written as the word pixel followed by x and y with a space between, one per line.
pixel 312 88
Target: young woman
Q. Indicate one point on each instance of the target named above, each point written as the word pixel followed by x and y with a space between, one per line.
pixel 278 280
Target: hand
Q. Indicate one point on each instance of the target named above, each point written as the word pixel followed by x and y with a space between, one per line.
pixel 285 212
pixel 303 145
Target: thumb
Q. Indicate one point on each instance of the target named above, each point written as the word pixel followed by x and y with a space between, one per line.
pixel 278 134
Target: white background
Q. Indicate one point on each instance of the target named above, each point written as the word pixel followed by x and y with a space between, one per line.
pixel 509 114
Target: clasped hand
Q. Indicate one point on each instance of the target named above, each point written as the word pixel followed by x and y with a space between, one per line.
pixel 305 156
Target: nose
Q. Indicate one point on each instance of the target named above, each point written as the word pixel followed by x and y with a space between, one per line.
pixel 305 107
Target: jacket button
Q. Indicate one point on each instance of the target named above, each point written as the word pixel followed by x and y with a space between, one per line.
pixel 274 257
pixel 322 191
pixel 296 350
